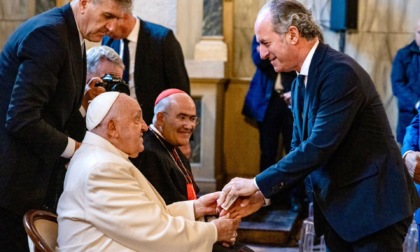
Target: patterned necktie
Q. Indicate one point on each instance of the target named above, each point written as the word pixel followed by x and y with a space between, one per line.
pixel 126 61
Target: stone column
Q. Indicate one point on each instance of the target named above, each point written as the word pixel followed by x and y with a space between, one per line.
pixel 210 52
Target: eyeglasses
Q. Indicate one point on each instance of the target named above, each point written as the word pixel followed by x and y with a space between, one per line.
pixel 185 118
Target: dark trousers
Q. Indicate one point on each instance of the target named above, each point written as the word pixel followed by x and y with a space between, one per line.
pixel 389 239
pixel 13 237
pixel 278 120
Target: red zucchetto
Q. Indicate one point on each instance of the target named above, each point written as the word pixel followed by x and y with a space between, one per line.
pixel 168 92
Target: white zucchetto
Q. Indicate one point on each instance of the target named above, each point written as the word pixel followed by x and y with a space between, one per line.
pixel 98 109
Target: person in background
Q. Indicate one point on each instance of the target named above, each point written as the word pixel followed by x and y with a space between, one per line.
pixel 100 60
pixel 154 62
pixel 268 103
pixel 405 79
pixel 411 155
pixel 363 197
pixel 42 72
pixel 107 203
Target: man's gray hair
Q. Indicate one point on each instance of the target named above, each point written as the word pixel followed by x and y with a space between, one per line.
pixel 96 54
pixel 162 106
pixel 126 5
pixel 286 13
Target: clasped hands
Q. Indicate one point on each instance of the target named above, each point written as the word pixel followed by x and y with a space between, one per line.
pixel 248 200
pixel 246 196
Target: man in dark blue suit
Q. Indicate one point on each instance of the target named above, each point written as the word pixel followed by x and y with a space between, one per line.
pixel 267 102
pixel 42 73
pixel 363 195
pixel 156 62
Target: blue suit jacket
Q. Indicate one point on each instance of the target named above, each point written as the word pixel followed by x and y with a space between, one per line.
pixel 412 142
pixel 42 81
pixel 159 65
pixel 345 144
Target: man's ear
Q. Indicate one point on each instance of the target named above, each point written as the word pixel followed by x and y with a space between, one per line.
pixel 82 6
pixel 159 118
pixel 112 129
pixel 293 34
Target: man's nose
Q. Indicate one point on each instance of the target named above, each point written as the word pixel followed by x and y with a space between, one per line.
pixel 263 52
pixel 144 126
pixel 188 124
pixel 111 24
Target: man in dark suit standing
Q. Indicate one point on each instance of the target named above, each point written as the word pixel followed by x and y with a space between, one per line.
pixel 42 73
pixel 155 60
pixel 363 196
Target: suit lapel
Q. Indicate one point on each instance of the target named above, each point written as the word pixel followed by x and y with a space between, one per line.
pixel 78 58
pixel 312 78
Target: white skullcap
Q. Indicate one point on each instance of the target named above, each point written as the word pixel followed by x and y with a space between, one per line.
pixel 98 108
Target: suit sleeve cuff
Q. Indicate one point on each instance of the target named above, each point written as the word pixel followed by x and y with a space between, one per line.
pixel 82 111
pixel 267 201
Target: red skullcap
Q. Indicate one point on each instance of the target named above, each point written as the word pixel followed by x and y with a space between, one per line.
pixel 168 92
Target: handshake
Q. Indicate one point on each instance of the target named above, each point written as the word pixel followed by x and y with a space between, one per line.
pixel 238 199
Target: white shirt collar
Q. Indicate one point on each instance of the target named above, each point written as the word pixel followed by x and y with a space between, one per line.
pixel 155 130
pixel 134 34
pixel 305 66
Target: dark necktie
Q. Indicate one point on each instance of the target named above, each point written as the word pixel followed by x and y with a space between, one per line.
pixel 126 61
pixel 300 79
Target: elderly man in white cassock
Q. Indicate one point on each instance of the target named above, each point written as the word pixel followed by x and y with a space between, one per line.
pixel 108 205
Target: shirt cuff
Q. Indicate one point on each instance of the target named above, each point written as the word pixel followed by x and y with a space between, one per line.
pixel 71 146
pixel 267 201
pixel 405 153
pixel 82 111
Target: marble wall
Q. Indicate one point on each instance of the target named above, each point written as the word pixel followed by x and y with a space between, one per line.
pixel 43 5
pixel 184 17
pixel 12 14
pixel 163 12
pixel 212 18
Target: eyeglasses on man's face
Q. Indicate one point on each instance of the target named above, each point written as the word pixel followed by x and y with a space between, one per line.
pixel 183 118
